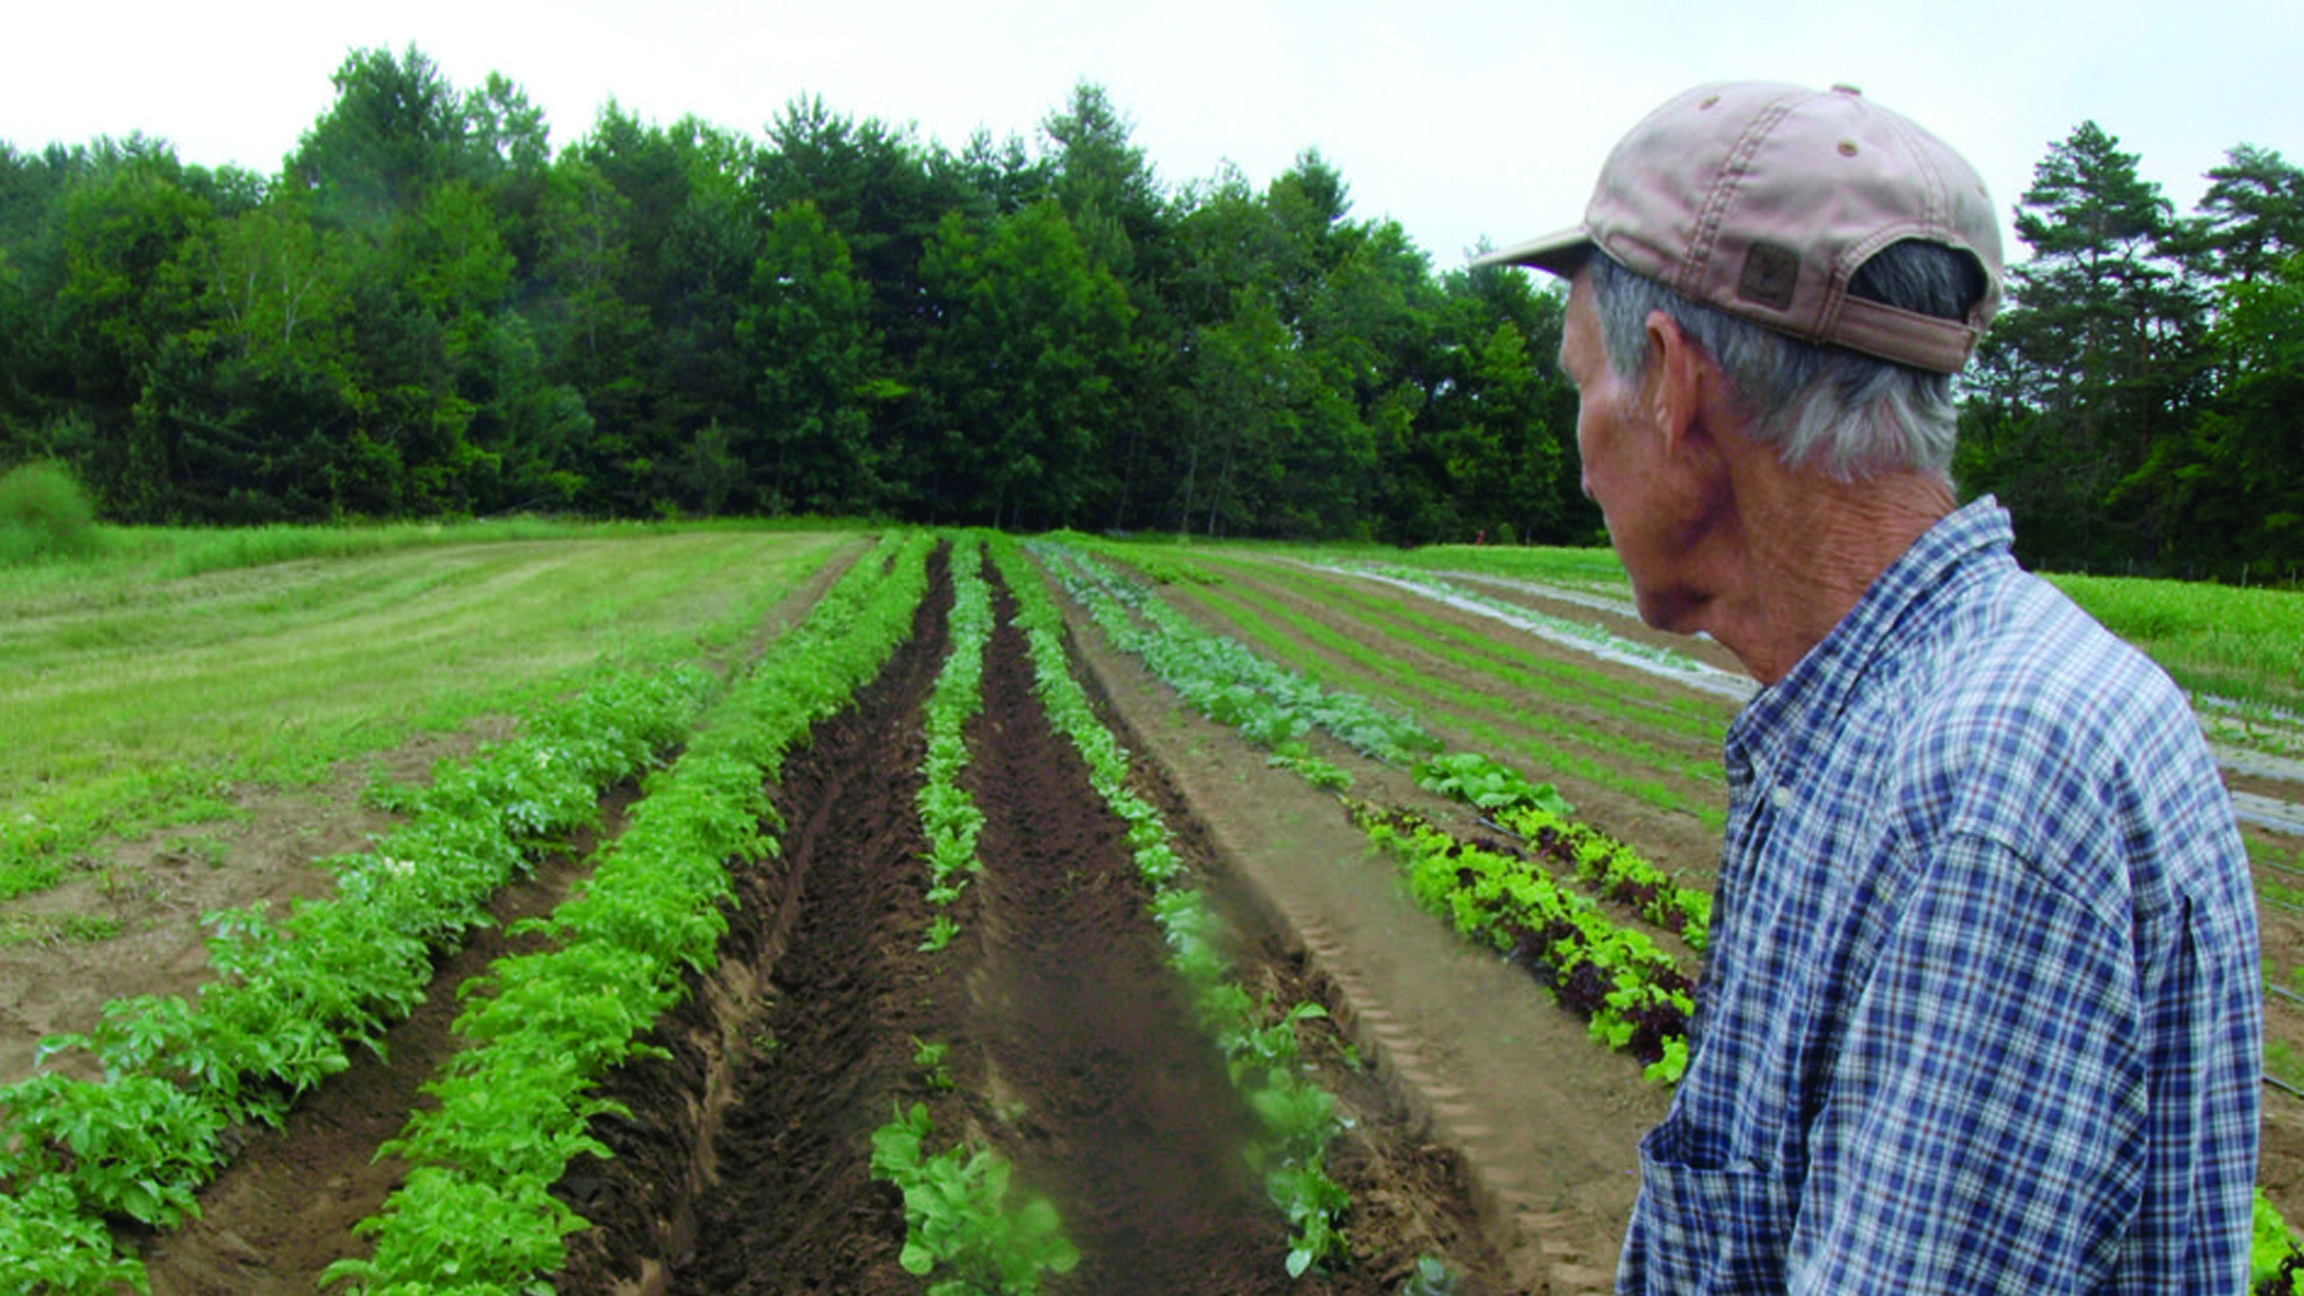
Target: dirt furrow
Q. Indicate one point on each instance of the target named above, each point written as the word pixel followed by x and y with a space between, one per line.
pixel 1072 1051
pixel 1112 1100
pixel 743 1166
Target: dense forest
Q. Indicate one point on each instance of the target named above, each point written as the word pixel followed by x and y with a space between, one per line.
pixel 429 311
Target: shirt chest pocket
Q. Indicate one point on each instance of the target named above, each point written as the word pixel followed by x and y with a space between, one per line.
pixel 1700 1231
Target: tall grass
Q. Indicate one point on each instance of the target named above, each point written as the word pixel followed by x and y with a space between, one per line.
pixel 2244 644
pixel 44 514
pixel 195 552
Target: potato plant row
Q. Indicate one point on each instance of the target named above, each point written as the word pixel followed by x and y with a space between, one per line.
pixel 948 817
pixel 1258 1040
pixel 293 997
pixel 475 1216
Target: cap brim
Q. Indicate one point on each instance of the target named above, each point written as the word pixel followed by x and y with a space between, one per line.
pixel 1560 252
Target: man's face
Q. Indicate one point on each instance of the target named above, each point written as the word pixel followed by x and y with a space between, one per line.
pixel 1625 468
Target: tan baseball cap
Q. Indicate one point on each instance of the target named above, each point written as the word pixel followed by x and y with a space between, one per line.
pixel 1762 200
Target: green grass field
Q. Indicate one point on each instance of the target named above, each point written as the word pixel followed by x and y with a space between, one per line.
pixel 142 684
pixel 145 680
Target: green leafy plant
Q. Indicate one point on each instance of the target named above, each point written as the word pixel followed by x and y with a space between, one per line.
pixel 1432 1278
pixel 48 1245
pixel 959 1226
pixel 941 930
pixel 948 817
pixel 1633 995
pixel 1296 758
pixel 1312 1203
pixel 2275 1265
pixel 934 1058
pixel 1620 873
pixel 138 1147
pixel 444 1230
pixel 1486 784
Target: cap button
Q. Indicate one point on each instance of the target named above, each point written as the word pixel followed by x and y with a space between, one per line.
pixel 1846 89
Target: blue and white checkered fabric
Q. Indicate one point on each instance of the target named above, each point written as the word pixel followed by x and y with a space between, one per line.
pixel 1982 1012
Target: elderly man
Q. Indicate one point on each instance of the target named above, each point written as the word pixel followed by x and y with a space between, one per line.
pixel 1981 1011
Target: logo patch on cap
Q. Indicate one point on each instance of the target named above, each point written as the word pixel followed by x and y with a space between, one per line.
pixel 1771 272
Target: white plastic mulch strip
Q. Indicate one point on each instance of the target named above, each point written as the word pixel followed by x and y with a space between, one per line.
pixel 2274 813
pixel 1593 639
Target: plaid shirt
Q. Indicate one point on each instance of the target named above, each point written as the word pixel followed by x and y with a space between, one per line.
pixel 1982 1010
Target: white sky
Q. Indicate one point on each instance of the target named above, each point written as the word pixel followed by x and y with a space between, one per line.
pixel 1461 119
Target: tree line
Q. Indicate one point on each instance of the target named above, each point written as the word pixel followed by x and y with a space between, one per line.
pixel 2140 405
pixel 430 311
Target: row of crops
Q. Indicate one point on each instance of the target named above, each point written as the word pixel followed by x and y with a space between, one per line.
pixel 294 997
pixel 1543 890
pixel 1635 994
pixel 963 1232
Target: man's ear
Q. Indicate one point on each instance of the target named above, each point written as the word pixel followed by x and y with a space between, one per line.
pixel 1679 380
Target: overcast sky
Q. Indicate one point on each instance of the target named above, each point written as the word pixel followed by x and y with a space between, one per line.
pixel 1461 119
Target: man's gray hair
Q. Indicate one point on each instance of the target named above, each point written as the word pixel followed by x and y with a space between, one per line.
pixel 1848 414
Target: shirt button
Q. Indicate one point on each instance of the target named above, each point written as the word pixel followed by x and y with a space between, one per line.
pixel 1780 797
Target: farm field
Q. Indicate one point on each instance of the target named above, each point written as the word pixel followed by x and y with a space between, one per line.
pixel 912 852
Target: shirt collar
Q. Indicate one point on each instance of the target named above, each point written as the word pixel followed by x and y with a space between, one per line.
pixel 1780 720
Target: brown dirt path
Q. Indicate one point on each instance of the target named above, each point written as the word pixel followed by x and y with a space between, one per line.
pixel 1130 1121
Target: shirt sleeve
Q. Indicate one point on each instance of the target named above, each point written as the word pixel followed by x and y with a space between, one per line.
pixel 1982 1129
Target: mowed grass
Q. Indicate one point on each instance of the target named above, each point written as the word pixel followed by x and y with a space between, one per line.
pixel 137 697
pixel 2245 645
